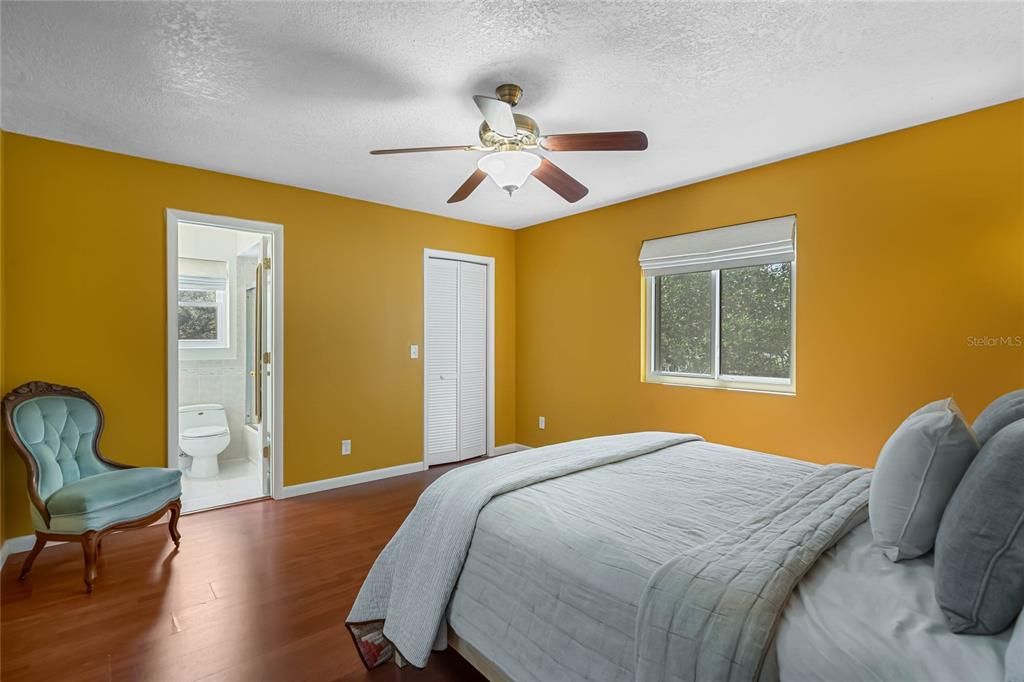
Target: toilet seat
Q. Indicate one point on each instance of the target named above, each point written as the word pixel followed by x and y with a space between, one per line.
pixel 204 432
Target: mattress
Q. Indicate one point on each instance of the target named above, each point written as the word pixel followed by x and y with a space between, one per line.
pixel 551 583
pixel 858 616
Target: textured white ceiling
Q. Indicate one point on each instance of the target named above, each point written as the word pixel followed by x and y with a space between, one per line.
pixel 297 93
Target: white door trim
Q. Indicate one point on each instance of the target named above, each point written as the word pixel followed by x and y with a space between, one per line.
pixel 174 217
pixel 466 258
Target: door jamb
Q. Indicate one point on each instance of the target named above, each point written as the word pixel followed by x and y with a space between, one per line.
pixel 174 217
pixel 466 258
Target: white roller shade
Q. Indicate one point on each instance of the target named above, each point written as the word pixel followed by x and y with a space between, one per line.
pixel 201 267
pixel 197 273
pixel 736 246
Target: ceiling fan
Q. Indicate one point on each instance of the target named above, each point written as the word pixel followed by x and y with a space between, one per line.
pixel 506 136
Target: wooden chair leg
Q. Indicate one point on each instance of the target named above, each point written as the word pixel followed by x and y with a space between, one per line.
pixel 172 525
pixel 89 542
pixel 31 558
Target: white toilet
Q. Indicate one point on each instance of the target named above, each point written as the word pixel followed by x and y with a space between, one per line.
pixel 203 434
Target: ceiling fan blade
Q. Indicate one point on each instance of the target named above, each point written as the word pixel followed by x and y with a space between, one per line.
pixel 565 185
pixel 410 150
pixel 498 115
pixel 627 140
pixel 471 183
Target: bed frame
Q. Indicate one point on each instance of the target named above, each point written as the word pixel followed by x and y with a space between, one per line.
pixel 469 652
pixel 476 659
pixel 483 665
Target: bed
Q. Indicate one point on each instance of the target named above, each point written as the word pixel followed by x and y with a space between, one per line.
pixel 891 630
pixel 657 557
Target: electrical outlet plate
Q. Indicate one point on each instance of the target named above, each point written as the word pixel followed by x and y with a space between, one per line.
pixel 541 422
pixel 414 351
pixel 346 447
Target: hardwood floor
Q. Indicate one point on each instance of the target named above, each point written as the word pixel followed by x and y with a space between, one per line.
pixel 256 592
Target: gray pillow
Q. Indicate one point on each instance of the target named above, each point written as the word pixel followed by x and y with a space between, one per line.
pixel 917 471
pixel 1015 653
pixel 979 552
pixel 1000 412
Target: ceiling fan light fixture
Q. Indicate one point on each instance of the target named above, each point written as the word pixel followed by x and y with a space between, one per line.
pixel 509 170
pixel 505 135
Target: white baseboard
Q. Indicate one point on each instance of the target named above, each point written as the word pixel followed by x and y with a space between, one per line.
pixel 351 479
pixel 508 449
pixel 22 543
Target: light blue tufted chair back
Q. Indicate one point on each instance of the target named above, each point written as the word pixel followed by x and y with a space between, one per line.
pixel 60 434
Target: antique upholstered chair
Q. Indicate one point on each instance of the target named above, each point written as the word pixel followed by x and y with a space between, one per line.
pixel 76 494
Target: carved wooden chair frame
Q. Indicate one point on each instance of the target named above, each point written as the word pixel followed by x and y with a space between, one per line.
pixel 90 540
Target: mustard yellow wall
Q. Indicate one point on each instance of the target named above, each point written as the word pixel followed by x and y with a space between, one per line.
pixel 908 244
pixel 84 266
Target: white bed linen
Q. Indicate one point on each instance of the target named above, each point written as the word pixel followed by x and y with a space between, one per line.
pixel 858 616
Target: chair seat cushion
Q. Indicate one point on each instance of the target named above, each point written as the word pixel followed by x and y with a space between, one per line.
pixel 102 500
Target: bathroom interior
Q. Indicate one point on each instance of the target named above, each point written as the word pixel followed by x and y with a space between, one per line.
pixel 220 330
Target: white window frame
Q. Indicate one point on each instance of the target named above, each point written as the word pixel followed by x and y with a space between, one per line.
pixel 717 379
pixel 222 306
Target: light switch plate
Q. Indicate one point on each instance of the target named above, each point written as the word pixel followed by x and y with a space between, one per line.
pixel 414 351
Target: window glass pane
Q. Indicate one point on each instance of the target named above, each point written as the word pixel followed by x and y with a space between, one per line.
pixel 197 323
pixel 684 311
pixel 756 319
pixel 196 296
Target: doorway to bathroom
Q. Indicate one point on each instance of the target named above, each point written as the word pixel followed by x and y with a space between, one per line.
pixel 224 382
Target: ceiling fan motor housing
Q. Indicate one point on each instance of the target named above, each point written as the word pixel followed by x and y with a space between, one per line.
pixel 527 133
pixel 510 93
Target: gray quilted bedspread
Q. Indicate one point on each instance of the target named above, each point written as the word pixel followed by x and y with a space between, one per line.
pixel 402 601
pixel 638 557
pixel 711 612
pixel 551 585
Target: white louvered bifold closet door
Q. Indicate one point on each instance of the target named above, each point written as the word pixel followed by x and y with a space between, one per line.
pixel 442 360
pixel 472 360
pixel 456 360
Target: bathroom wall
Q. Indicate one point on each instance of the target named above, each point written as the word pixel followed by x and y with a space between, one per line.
pixel 215 375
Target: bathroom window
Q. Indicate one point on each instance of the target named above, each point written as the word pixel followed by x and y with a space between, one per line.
pixel 202 304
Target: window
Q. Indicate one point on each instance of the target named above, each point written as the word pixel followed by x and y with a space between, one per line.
pixel 720 307
pixel 202 304
pixel 683 308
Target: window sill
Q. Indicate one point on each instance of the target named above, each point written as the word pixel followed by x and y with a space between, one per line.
pixel 769 387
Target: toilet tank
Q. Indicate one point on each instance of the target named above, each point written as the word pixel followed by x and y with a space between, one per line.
pixel 205 414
